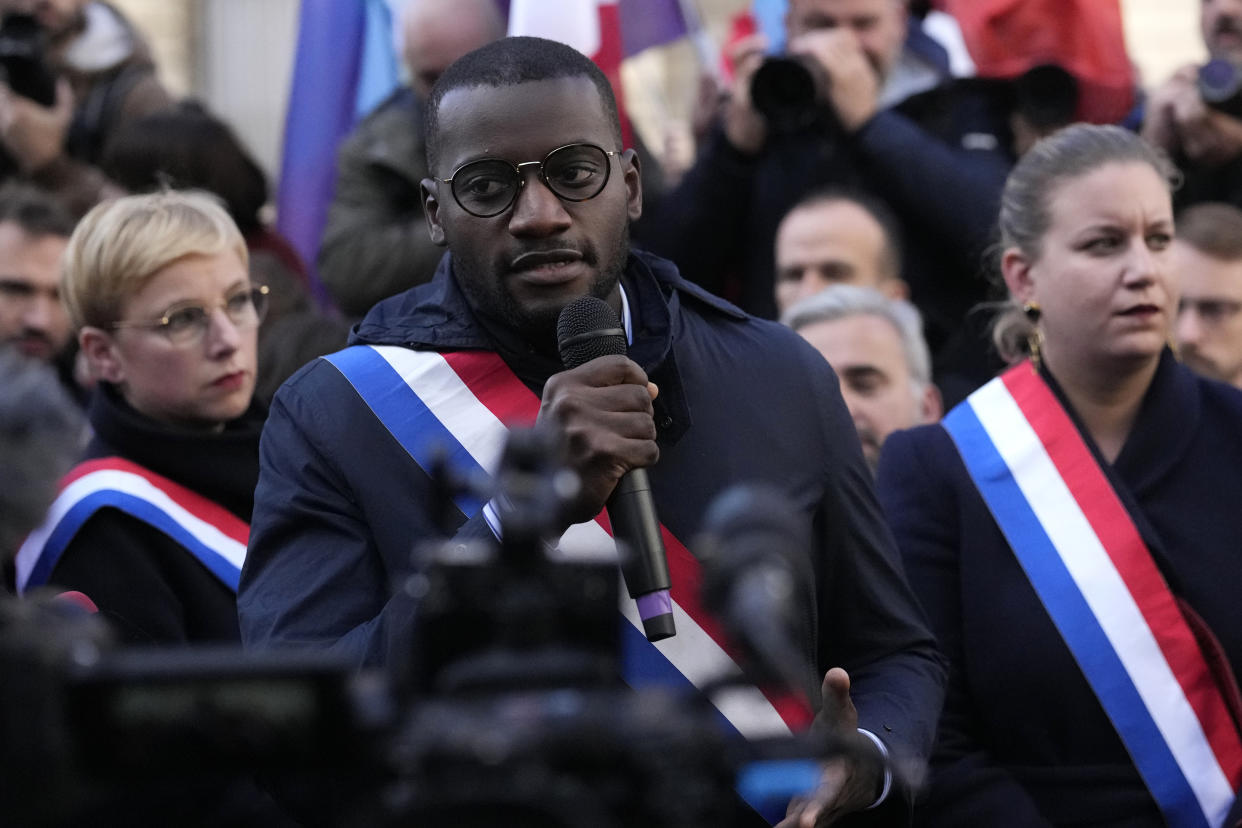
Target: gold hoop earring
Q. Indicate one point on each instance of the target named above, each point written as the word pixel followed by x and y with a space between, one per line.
pixel 1034 339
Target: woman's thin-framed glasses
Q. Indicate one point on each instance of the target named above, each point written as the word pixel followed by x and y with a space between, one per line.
pixel 489 186
pixel 188 324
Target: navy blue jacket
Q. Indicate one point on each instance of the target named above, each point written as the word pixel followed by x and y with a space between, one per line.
pixel 340 505
pixel 1023 740
pixel 938 159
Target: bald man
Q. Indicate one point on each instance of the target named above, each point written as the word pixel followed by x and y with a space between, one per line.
pixel 375 243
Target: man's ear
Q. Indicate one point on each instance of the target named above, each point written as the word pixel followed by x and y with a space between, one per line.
pixel 431 210
pixel 99 348
pixel 1016 269
pixel 632 169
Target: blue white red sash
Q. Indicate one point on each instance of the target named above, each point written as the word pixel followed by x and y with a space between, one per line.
pixel 206 529
pixel 462 404
pixel 1097 579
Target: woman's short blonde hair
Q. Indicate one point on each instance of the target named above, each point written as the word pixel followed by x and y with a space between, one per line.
pixel 122 243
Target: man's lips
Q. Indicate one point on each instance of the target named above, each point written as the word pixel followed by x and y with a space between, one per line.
pixel 543 258
pixel 35 346
pixel 548 266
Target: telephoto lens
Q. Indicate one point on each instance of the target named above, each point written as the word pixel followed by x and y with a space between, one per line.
pixel 786 90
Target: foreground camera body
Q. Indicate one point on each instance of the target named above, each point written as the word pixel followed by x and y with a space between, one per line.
pixel 511 709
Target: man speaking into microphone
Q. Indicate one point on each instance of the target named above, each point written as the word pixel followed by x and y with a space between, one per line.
pixel 533 194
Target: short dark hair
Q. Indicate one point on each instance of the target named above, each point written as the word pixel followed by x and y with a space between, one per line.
pixel 186 147
pixel 873 206
pixel 508 62
pixel 1212 228
pixel 36 211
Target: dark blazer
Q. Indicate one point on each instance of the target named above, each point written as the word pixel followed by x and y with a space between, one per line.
pixel 1023 740
pixel 149 587
pixel 339 504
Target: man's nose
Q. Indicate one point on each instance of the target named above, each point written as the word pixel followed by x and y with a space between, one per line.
pixel 40 312
pixel 1189 328
pixel 812 282
pixel 537 211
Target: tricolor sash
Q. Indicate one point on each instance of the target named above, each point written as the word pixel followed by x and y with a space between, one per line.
pixel 1099 583
pixel 208 531
pixel 461 405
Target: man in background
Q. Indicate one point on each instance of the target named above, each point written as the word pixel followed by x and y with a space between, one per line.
pixel 875 344
pixel 1204 141
pixel 95 74
pixel 836 237
pixel 937 157
pixel 34 231
pixel 375 243
pixel 1207 260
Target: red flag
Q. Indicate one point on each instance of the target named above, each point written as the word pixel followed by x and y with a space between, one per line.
pixel 1083 37
pixel 592 27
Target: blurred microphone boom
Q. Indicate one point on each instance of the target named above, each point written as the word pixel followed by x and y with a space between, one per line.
pixel 588 328
pixel 757 581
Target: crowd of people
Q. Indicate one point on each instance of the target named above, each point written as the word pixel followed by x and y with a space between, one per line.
pixel 993 365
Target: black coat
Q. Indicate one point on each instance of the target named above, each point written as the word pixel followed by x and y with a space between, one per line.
pixel 149 587
pixel 340 504
pixel 1023 740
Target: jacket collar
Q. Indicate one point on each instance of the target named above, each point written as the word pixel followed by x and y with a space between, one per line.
pixel 436 316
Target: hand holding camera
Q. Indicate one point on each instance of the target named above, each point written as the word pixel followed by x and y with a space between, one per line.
pixel 1198 113
pixel 823 67
pixel 32 133
pixel 853 86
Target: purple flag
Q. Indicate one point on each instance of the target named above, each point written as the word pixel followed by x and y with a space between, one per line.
pixel 647 23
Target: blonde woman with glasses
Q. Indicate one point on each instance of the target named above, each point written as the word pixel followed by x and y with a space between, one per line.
pixel 152 525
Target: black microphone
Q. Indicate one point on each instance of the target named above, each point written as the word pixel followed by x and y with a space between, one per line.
pixel 756 578
pixel 588 328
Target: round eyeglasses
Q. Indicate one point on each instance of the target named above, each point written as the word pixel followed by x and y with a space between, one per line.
pixel 489 186
pixel 188 324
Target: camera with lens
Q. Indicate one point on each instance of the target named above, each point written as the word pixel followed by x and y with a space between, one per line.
pixel 789 90
pixel 1220 86
pixel 23 61
pixel 510 711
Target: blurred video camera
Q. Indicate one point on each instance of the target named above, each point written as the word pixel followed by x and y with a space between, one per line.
pixel 511 710
pixel 23 58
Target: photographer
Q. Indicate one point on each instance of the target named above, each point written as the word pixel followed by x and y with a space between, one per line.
pixel 1205 141
pixel 937 157
pixel 76 70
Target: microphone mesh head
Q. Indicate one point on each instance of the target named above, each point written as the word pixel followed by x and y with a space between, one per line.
pixel 588 328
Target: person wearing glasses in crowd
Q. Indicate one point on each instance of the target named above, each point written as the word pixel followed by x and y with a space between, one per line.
pixel 152 524
pixel 533 194
pixel 1207 258
pixel 1072 527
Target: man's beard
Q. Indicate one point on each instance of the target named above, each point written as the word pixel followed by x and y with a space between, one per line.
pixel 488 296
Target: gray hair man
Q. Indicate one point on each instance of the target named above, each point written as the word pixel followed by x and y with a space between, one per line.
pixel 875 344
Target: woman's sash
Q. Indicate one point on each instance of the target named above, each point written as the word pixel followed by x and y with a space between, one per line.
pixel 1098 582
pixel 458 407
pixel 208 531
